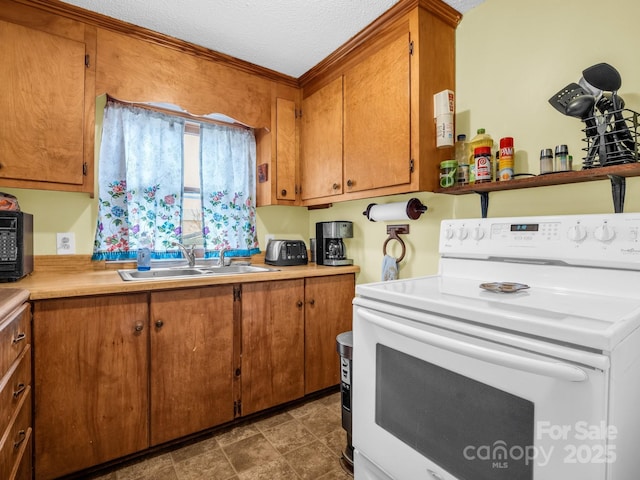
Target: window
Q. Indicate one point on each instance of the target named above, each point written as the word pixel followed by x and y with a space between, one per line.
pixel 191 203
pixel 176 181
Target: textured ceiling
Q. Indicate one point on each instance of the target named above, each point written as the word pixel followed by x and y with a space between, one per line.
pixel 287 36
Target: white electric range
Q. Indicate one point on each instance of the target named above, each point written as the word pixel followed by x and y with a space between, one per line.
pixel 519 360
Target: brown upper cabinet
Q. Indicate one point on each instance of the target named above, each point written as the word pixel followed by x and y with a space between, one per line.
pixel 377 118
pixel 367 110
pixel 48 102
pixel 321 150
pixel 367 124
pixel 355 130
pixel 286 147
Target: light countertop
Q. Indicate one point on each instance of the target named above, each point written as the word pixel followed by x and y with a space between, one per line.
pixel 76 282
pixel 10 298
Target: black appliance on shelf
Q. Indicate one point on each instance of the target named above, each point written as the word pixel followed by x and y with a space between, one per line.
pixel 16 245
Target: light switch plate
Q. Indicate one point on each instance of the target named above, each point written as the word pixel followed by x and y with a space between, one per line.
pixel 65 243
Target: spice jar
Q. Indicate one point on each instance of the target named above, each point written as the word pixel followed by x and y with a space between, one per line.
pixel 561 163
pixel 448 173
pixel 482 157
pixel 546 161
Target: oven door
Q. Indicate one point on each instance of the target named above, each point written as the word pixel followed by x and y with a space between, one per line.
pixel 433 403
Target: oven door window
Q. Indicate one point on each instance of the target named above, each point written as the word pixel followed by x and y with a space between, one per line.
pixel 471 429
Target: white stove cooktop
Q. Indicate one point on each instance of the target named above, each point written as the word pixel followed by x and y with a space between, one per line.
pixel 583 274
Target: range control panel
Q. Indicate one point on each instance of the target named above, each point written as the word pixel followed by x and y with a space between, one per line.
pixel 601 240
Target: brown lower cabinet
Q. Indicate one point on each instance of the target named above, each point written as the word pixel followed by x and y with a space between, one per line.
pixel 328 312
pixel 91 377
pixel 272 343
pixel 191 364
pixel 117 374
pixel 15 386
pixel 289 331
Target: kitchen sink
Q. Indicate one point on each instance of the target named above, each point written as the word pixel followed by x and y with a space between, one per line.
pixel 190 272
pixel 235 270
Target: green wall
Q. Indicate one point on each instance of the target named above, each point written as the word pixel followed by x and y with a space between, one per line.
pixel 511 58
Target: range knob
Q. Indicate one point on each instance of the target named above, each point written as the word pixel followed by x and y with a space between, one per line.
pixel 462 233
pixel 577 233
pixel 604 233
pixel 448 233
pixel 477 233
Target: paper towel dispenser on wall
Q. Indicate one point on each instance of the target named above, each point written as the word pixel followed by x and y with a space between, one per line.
pixel 395 211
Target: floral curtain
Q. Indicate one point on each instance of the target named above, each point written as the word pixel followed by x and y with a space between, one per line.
pixel 139 182
pixel 228 189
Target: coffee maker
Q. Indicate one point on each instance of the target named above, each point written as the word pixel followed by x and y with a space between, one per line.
pixel 330 249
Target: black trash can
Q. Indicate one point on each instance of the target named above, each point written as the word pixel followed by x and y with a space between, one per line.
pixel 344 345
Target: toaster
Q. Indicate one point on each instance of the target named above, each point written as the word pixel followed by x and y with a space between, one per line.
pixel 286 253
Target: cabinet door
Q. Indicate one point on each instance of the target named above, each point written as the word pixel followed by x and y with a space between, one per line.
pixel 42 106
pixel 191 361
pixel 321 134
pixel 272 344
pixel 285 149
pixel 91 381
pixel 377 119
pixel 328 313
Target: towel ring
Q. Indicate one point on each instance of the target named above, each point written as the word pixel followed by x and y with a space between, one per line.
pixel 393 231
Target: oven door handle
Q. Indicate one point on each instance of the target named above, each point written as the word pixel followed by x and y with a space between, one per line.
pixel 562 371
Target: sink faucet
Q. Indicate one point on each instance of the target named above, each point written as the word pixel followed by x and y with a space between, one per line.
pixel 190 255
pixel 221 258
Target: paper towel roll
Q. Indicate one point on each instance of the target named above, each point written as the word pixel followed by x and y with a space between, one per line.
pixel 411 210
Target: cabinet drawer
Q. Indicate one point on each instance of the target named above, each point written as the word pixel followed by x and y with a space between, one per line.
pixel 13 386
pixel 15 334
pixel 17 437
pixel 23 469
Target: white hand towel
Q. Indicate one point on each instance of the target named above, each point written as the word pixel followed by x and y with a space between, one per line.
pixel 389 268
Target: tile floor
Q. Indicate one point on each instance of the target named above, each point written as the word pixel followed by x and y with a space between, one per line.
pixel 304 442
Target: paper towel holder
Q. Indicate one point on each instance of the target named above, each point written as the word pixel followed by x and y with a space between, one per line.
pixel 393 231
pixel 414 208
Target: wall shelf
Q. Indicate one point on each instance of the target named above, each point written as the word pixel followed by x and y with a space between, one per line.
pixel 616 173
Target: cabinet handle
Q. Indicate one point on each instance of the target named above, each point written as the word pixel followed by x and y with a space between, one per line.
pixel 159 323
pixel 22 435
pixel 139 327
pixel 350 183
pixel 284 192
pixel 21 387
pixel 300 303
pixel 238 372
pixel 312 302
pixel 19 337
pixel 336 186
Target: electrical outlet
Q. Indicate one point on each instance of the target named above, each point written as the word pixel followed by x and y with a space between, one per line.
pixel 65 243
